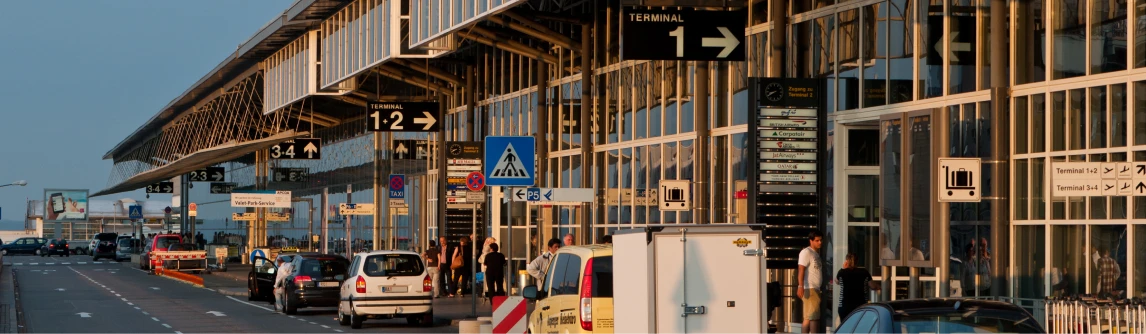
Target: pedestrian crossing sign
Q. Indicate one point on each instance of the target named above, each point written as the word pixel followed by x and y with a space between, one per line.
pixel 509 161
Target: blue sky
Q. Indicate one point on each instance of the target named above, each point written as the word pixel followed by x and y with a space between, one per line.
pixel 79 76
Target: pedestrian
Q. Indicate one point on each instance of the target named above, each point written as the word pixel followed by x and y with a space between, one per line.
pixel 494 272
pixel 569 239
pixel 485 250
pixel 464 273
pixel 281 273
pixel 540 266
pixel 810 281
pixel 444 262
pixel 1108 273
pixel 431 255
pixel 855 285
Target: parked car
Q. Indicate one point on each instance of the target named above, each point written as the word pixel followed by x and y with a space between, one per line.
pixel 55 247
pixel 126 247
pixel 261 280
pixel 576 295
pixel 314 281
pixel 949 315
pixel 105 249
pixel 23 246
pixel 158 242
pixel 386 284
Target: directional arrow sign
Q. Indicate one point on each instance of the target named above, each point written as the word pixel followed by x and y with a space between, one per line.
pixel 209 174
pixel 222 188
pixel 403 116
pixel 164 187
pixel 310 150
pixel 519 196
pixel 674 34
pixel 553 195
pixel 301 148
pixel 961 39
pixel 401 151
pixel 290 174
pixel 217 313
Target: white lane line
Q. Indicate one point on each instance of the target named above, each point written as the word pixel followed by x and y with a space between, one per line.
pixel 124 299
pixel 117 295
pixel 82 262
pixel 338 330
pixel 166 325
pixel 292 317
pixel 178 332
pixel 137 307
pixel 128 303
pixel 154 318
pixel 301 319
pixel 210 289
pixel 233 298
pixel 145 313
pixel 325 326
pixel 313 323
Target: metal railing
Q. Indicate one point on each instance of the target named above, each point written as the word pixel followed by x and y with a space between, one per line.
pixel 1088 314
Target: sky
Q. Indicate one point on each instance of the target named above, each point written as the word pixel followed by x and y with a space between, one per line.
pixel 79 76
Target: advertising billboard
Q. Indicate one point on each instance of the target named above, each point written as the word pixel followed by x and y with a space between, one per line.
pixel 65 204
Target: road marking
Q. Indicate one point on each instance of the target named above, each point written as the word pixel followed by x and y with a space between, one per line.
pixel 166 325
pixel 67 263
pixel 233 298
pixel 212 290
pixel 292 317
pixel 338 330
pixel 60 289
pixel 325 326
pixel 82 262
pixel 124 299
pixel 117 295
pixel 137 307
pixel 33 263
pixel 217 313
pixel 154 318
pixel 154 288
pixel 313 323
pixel 301 319
pixel 145 313
pixel 178 332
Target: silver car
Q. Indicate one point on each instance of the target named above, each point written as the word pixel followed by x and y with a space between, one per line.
pixel 126 247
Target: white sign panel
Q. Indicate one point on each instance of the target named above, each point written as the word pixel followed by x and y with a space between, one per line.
pixel 261 199
pixel 277 217
pixel 787 112
pixel 787 177
pixel 787 145
pixel 787 166
pixel 356 209
pixel 788 155
pixel 397 203
pixel 676 195
pixel 787 134
pixel 249 216
pixel 1076 171
pixel 959 179
pixel 475 196
pixel 788 123
pixel 1092 187
pixel 553 195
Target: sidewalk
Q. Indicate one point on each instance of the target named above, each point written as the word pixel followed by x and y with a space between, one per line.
pixel 233 282
pixel 8 303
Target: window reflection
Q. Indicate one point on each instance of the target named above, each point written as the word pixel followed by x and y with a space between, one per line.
pixel 1069 38
pixel 901 29
pixel 1139 273
pixel 890 172
pixel 848 84
pixel 930 60
pixel 1107 36
pixel 875 55
pixel 1067 262
pixel 863 190
pixel 1030 264
pixel 1107 255
pixel 920 166
pixel 1030 27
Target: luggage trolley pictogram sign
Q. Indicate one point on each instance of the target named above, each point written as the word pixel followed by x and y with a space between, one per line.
pixel 959 179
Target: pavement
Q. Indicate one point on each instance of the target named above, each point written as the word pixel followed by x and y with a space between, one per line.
pixel 74 294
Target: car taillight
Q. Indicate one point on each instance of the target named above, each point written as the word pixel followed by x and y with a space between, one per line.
pixel 66 246
pixel 301 279
pixel 427 284
pixel 587 297
pixel 51 246
pixel 360 285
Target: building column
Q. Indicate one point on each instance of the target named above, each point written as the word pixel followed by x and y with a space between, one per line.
pixel 701 165
pixel 1000 148
pixel 440 155
pixel 541 106
pixel 586 130
pixel 777 41
pixel 380 183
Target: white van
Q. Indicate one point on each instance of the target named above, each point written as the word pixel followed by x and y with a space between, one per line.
pixel 386 284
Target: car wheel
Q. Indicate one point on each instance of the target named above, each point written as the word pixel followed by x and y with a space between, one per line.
pixel 67 254
pixel 3 252
pixel 342 319
pixel 288 307
pixel 39 252
pixel 252 290
pixel 428 319
pixel 355 320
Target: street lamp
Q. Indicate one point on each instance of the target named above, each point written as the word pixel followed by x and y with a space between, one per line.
pixel 17 183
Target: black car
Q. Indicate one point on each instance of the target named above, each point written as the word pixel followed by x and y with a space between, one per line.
pixel 105 246
pixel 261 281
pixel 23 245
pixel 315 281
pixel 55 247
pixel 951 315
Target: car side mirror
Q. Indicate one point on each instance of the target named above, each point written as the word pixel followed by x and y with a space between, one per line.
pixel 530 292
pixel 271 270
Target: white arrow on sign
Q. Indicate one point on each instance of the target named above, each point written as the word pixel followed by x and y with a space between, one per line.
pixel 965 47
pixel 310 150
pixel 429 120
pixel 85 315
pixel 217 313
pixel 217 177
pixel 401 150
pixel 728 42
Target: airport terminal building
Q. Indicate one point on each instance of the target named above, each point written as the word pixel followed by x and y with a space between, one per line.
pixel 1022 85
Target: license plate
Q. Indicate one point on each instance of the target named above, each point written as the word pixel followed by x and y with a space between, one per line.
pixel 327 284
pixel 395 288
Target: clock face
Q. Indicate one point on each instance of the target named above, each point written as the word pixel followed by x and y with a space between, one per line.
pixel 774 92
pixel 455 149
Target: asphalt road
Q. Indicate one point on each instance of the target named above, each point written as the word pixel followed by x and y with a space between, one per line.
pixel 73 294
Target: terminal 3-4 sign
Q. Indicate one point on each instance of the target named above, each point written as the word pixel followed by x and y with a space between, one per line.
pixel 1079 179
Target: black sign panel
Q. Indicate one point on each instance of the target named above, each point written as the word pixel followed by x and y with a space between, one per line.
pixel 790 125
pixel 657 34
pixel 222 187
pixel 460 223
pixel 164 187
pixel 962 37
pixel 465 150
pixel 301 148
pixel 289 174
pixel 403 116
pixel 209 174
pixel 409 149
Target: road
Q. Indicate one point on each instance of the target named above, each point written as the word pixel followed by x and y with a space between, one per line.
pixel 74 294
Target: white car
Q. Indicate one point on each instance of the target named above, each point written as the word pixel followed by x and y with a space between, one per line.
pixel 387 284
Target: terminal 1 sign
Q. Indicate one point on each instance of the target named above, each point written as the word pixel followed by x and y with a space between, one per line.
pixel 682 34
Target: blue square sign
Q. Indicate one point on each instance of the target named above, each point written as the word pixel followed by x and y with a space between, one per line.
pixel 135 212
pixel 397 186
pixel 509 161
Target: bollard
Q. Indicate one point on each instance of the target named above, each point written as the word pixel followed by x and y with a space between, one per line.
pixel 486 328
pixel 485 319
pixel 469 327
pixel 523 280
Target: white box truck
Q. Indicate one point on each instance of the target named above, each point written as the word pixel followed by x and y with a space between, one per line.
pixel 689 279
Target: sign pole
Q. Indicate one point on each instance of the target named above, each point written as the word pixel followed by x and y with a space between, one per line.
pixel 509 243
pixel 349 223
pixel 473 265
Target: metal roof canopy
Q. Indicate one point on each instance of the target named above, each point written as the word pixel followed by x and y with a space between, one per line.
pixel 199 159
pixel 291 24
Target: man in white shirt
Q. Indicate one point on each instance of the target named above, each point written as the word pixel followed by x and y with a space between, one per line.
pixel 540 266
pixel 810 280
pixel 284 270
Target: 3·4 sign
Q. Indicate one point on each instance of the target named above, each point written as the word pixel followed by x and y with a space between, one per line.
pixel 301 148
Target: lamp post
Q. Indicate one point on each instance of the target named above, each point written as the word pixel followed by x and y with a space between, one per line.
pixel 17 183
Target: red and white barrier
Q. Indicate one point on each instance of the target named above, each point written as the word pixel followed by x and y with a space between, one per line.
pixel 509 315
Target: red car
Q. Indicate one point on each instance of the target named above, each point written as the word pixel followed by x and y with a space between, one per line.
pixel 159 242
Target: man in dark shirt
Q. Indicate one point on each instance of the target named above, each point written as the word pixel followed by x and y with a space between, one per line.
pixel 855 285
pixel 494 272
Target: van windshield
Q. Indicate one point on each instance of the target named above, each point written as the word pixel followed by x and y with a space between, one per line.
pixel 326 269
pixel 164 242
pixel 393 265
pixel 603 276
